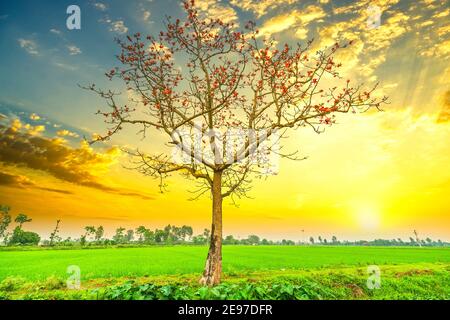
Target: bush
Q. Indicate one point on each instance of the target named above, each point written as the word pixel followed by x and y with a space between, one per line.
pixel 21 237
pixel 11 283
pixel 277 290
pixel 53 282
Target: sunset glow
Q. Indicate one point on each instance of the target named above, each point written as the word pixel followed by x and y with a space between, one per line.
pixel 370 175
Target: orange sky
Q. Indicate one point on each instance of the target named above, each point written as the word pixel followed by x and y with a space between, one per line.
pixel 376 175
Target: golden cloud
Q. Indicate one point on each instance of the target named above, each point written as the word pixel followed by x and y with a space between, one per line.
pixel 440 50
pixel 23 182
pixel 35 117
pixel 442 14
pixel 371 44
pixel 82 166
pixel 214 9
pixel 261 7
pixel 444 115
pixel 67 133
pixel 296 18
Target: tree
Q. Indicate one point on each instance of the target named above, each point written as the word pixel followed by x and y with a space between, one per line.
pixel 167 234
pixel 130 236
pixel 199 239
pixel 287 242
pixel 175 234
pixel 21 237
pixel 186 231
pixel 89 230
pixel 320 239
pixel 253 239
pixel 229 240
pixel 416 235
pixel 334 239
pixel 21 219
pixel 226 109
pixel 149 236
pixel 160 236
pixel 119 236
pixel 206 234
pixel 83 240
pixel 141 231
pixel 5 221
pixel 99 233
pixel 145 235
pixel 311 239
pixel 54 235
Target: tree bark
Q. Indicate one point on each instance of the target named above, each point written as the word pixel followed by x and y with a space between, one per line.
pixel 213 266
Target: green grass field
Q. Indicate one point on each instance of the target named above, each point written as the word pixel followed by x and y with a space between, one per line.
pixel 411 271
pixel 119 262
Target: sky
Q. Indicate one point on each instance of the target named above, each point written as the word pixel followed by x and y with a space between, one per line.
pixel 373 175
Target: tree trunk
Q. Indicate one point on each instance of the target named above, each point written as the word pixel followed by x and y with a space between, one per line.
pixel 213 266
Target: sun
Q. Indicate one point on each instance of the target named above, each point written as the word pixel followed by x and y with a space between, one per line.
pixel 368 216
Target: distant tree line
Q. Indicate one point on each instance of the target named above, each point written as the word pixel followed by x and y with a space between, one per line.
pixel 95 236
pixel 415 242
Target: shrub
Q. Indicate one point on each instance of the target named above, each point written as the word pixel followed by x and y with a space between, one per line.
pixel 21 237
pixel 53 282
pixel 11 283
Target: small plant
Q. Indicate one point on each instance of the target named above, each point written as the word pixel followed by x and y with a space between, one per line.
pixel 53 282
pixel 11 283
pixel 54 235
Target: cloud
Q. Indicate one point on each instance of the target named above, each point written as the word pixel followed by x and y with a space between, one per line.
pixel 260 7
pixel 81 166
pixel 442 14
pixel 17 125
pixel 35 117
pixel 394 27
pixel 444 115
pixel 34 130
pixel 73 50
pixel 55 31
pixel 23 182
pixel 439 50
pixel 296 18
pixel 67 133
pixel 371 44
pixel 146 15
pixel 443 30
pixel 278 24
pixel 100 6
pixel 390 86
pixel 214 9
pixel 29 46
pixel 118 26
pixel 65 66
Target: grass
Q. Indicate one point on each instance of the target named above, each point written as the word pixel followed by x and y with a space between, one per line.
pixel 423 281
pixel 250 272
pixel 146 261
